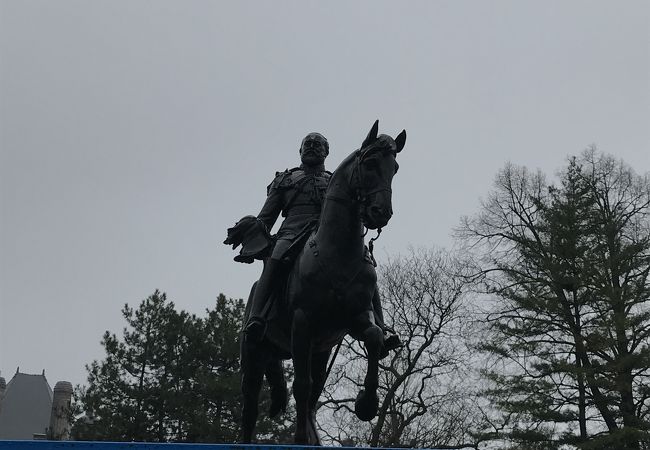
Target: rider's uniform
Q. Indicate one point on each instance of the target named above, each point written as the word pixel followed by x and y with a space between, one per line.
pixel 298 194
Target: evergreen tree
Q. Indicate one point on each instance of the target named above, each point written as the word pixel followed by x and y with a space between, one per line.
pixel 171 377
pixel 568 267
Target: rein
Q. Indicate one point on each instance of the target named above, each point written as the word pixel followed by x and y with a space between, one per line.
pixel 336 352
pixel 371 246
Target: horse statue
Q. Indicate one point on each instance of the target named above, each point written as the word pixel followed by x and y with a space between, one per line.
pixel 328 294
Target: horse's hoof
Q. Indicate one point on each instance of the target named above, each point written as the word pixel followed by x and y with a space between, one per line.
pixel 278 402
pixel 300 439
pixel 366 405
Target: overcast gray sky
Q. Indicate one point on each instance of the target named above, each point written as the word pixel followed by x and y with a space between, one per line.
pixel 133 133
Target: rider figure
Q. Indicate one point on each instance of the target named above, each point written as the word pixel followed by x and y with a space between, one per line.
pixel 298 194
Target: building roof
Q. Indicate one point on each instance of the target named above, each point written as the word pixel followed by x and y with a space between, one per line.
pixel 26 407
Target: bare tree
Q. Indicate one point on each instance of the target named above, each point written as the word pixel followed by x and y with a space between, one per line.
pixel 424 394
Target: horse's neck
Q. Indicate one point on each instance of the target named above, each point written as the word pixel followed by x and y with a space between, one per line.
pixel 340 229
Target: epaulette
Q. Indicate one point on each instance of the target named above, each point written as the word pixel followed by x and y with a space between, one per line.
pixel 289 178
pixel 295 175
pixel 281 179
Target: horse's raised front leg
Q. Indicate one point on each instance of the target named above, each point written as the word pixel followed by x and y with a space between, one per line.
pixel 367 402
pixel 301 349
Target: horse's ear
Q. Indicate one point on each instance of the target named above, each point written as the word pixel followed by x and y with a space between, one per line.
pixel 400 140
pixel 372 135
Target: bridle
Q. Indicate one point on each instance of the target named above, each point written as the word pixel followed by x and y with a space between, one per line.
pixel 363 197
pixel 360 195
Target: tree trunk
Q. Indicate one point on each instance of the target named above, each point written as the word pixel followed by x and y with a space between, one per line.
pixel 580 376
pixel 582 404
pixel 137 423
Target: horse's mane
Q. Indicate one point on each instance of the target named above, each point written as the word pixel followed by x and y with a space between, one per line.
pixel 346 161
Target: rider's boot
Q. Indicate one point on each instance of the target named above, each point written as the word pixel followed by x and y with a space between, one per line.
pixel 391 342
pixel 256 325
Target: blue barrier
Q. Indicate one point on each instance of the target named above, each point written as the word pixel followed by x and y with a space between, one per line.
pixel 88 445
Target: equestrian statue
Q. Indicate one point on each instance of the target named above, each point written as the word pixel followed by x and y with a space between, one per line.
pixel 319 281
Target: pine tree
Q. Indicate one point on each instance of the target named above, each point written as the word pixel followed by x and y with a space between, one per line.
pixel 568 268
pixel 171 377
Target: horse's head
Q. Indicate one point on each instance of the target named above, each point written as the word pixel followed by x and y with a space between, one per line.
pixel 373 174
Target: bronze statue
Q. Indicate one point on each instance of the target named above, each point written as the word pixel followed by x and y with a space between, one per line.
pixel 330 290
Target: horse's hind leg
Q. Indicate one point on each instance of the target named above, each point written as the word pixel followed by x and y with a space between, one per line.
pixel 319 377
pixel 278 385
pixel 367 401
pixel 301 352
pixel 253 366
